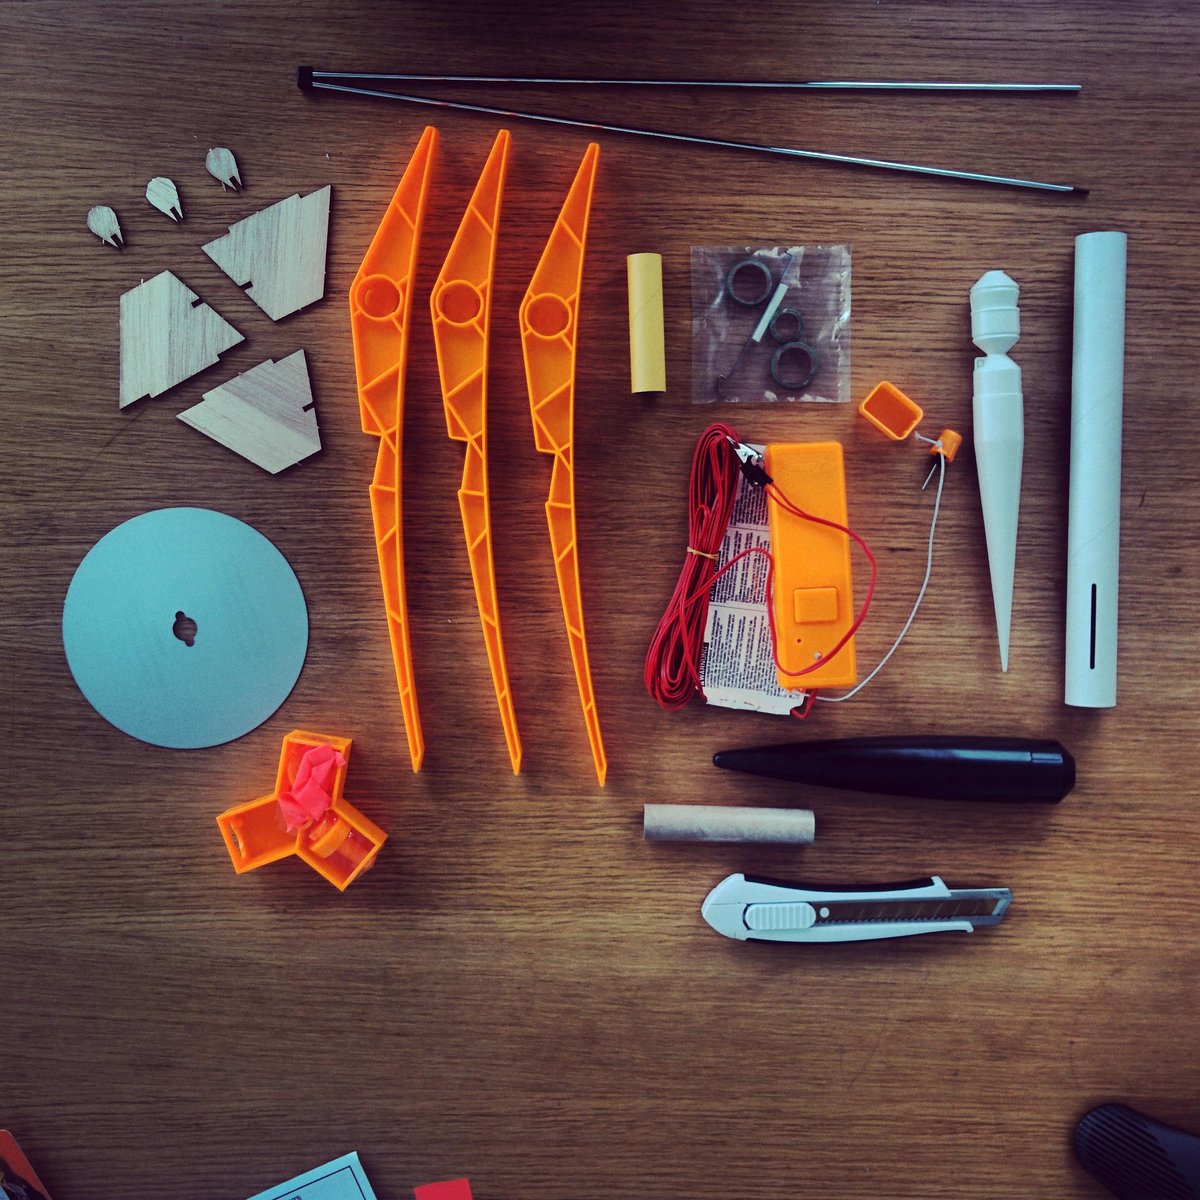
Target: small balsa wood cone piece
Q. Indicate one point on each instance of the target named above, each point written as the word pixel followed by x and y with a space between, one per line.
pixel 164 196
pixel 222 166
pixel 716 823
pixel 102 221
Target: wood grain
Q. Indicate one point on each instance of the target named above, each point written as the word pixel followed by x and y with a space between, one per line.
pixel 278 254
pixel 265 414
pixel 521 990
pixel 168 334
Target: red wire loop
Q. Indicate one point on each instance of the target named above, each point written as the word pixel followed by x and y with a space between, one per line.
pixel 672 671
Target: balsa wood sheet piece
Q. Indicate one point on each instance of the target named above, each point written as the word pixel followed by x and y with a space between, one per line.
pixel 164 195
pixel 265 415
pixel 167 336
pixel 278 254
pixel 222 166
pixel 102 221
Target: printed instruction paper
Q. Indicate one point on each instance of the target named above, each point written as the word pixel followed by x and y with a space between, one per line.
pixel 737 666
pixel 341 1179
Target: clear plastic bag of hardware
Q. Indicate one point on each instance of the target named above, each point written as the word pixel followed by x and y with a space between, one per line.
pixel 771 324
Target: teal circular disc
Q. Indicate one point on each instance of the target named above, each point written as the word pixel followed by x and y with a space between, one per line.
pixel 185 627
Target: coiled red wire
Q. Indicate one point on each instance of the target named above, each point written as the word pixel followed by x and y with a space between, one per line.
pixel 672 671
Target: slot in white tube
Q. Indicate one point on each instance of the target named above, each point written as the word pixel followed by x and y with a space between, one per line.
pixel 1094 503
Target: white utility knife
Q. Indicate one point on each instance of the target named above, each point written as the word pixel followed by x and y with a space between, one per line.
pixel 751 909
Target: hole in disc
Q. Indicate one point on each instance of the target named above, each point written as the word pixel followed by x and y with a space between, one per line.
pixel 185 629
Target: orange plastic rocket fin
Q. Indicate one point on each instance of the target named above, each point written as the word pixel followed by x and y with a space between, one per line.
pixel 380 308
pixel 461 304
pixel 549 335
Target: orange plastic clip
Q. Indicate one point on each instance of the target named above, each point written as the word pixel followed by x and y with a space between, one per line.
pixel 339 845
pixel 891 411
pixel 549 334
pixel 380 308
pixel 461 304
pixel 948 444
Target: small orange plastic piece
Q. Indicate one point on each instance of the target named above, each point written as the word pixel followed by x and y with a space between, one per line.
pixel 549 336
pixel 380 310
pixel 296 745
pixel 891 411
pixel 950 440
pixel 255 834
pixel 813 594
pixel 340 845
pixel 461 304
pixel 452 1189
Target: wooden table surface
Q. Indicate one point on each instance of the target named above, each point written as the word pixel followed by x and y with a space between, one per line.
pixel 522 990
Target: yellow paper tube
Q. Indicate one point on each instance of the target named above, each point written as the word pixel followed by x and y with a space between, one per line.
pixel 647 354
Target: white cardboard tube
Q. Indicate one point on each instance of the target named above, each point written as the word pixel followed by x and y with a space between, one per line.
pixel 1094 499
pixel 713 823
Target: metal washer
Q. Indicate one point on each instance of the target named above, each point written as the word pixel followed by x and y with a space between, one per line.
pixel 761 269
pixel 814 365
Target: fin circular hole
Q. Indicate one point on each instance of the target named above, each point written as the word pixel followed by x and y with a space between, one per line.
pixel 380 297
pixel 459 302
pixel 548 315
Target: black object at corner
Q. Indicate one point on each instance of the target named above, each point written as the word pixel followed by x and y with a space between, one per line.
pixel 1137 1158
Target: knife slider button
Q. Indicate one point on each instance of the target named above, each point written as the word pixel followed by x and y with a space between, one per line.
pixel 778 917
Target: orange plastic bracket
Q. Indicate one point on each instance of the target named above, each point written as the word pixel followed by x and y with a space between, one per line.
pixel 813 594
pixel 340 845
pixel 549 335
pixel 891 411
pixel 461 304
pixel 380 308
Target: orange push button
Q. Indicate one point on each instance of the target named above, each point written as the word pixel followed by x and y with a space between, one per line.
pixel 815 605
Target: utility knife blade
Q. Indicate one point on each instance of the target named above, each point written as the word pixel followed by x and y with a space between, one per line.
pixel 748 908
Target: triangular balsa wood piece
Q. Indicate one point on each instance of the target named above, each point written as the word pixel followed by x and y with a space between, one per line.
pixel 167 336
pixel 278 254
pixel 265 415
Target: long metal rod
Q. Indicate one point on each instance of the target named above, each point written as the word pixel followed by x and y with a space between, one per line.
pixel 858 85
pixel 690 139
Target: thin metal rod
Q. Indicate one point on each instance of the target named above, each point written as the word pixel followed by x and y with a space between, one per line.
pixel 858 85
pixel 785 151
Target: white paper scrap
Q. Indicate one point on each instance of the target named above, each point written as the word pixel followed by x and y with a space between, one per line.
pixel 737 666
